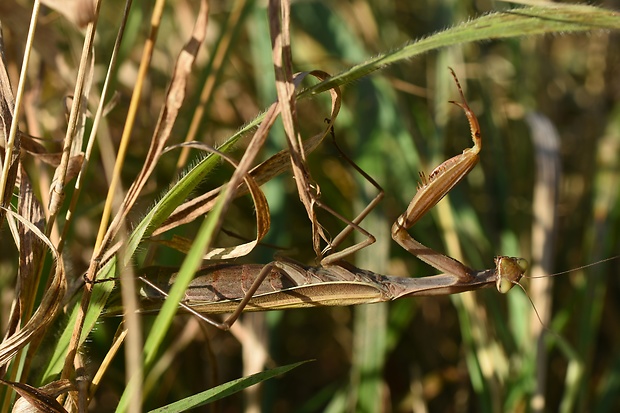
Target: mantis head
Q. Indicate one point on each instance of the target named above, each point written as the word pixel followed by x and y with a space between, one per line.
pixel 509 272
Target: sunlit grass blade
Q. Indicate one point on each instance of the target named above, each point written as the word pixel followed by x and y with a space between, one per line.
pixel 525 21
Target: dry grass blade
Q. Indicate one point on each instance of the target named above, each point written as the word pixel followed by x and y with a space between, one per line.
pixel 48 308
pixel 102 110
pixel 262 216
pixel 258 140
pixel 79 12
pixel 39 400
pixel 57 191
pixel 30 255
pixel 279 27
pixel 548 171
pixel 168 115
pixel 196 207
pixel 119 339
pixel 105 234
pixel 73 136
pixel 308 190
pixel 54 159
pixel 10 150
pixel 275 165
pixel 218 58
pixel 248 158
pixel 31 216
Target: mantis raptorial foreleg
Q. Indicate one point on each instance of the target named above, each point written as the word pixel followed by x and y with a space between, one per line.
pixel 431 190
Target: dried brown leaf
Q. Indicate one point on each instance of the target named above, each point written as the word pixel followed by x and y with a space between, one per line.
pixel 39 400
pixel 263 221
pixel 30 253
pixel 275 165
pixel 48 307
pixel 31 145
pixel 167 117
pixel 74 135
pixel 263 218
pixel 16 16
pixel 78 12
pixel 10 155
pixel 308 190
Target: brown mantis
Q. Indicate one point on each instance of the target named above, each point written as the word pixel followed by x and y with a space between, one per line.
pixel 229 288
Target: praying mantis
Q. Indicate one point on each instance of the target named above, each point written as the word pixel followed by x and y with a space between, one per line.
pixel 281 284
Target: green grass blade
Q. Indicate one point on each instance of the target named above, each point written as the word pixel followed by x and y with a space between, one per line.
pixel 225 390
pixel 526 21
pixel 101 291
pixel 175 196
pixel 166 314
